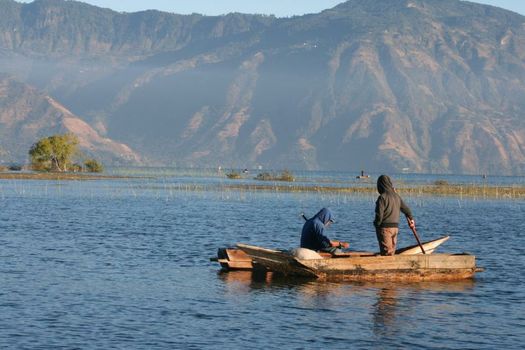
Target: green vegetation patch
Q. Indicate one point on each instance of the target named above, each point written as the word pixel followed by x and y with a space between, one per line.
pixel 285 176
pixel 56 154
pixel 233 175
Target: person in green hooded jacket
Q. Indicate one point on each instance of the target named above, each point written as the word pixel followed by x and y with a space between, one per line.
pixel 388 207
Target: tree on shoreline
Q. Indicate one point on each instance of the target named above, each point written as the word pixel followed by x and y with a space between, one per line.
pixel 54 153
pixel 93 166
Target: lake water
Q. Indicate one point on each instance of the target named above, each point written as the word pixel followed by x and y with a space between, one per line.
pixel 125 264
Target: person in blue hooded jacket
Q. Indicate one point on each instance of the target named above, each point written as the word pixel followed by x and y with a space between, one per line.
pixel 313 236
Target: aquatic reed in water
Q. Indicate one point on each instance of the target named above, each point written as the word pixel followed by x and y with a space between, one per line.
pixel 167 184
pixel 467 190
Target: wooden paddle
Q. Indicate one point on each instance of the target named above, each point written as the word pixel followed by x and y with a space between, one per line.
pixel 413 228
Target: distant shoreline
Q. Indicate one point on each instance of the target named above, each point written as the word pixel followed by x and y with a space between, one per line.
pixel 446 190
pixel 56 176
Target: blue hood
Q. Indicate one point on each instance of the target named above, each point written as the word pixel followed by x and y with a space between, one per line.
pixel 325 215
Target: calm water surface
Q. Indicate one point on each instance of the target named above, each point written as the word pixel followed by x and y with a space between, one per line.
pixel 125 264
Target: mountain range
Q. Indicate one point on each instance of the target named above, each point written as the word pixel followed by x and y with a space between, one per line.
pixel 382 85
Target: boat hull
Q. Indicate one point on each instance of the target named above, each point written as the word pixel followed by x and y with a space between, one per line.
pixel 436 267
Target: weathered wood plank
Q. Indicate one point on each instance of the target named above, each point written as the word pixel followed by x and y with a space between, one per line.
pixel 236 265
pixel 237 255
pixel 394 262
pixel 404 276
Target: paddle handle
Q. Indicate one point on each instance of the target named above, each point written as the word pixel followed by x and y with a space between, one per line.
pixel 416 235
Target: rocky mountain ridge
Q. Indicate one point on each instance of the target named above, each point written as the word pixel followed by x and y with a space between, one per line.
pixel 27 115
pixel 381 85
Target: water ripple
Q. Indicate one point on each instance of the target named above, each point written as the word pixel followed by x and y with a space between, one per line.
pixel 125 264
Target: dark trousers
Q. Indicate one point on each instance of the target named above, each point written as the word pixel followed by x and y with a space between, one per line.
pixel 387 239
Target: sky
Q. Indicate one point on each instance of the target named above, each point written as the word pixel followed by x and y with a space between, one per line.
pixel 279 8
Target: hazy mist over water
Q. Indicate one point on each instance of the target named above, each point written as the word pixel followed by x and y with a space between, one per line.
pixel 125 264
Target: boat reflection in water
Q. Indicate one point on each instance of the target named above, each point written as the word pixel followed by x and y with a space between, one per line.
pixel 243 281
pixel 409 298
pixel 260 279
pixel 385 309
pixel 388 303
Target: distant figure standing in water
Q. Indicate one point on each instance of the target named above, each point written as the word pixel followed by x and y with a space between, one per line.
pixel 313 237
pixel 388 207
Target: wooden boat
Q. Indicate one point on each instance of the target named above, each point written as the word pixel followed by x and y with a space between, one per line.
pixel 363 175
pixel 236 259
pixel 427 267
